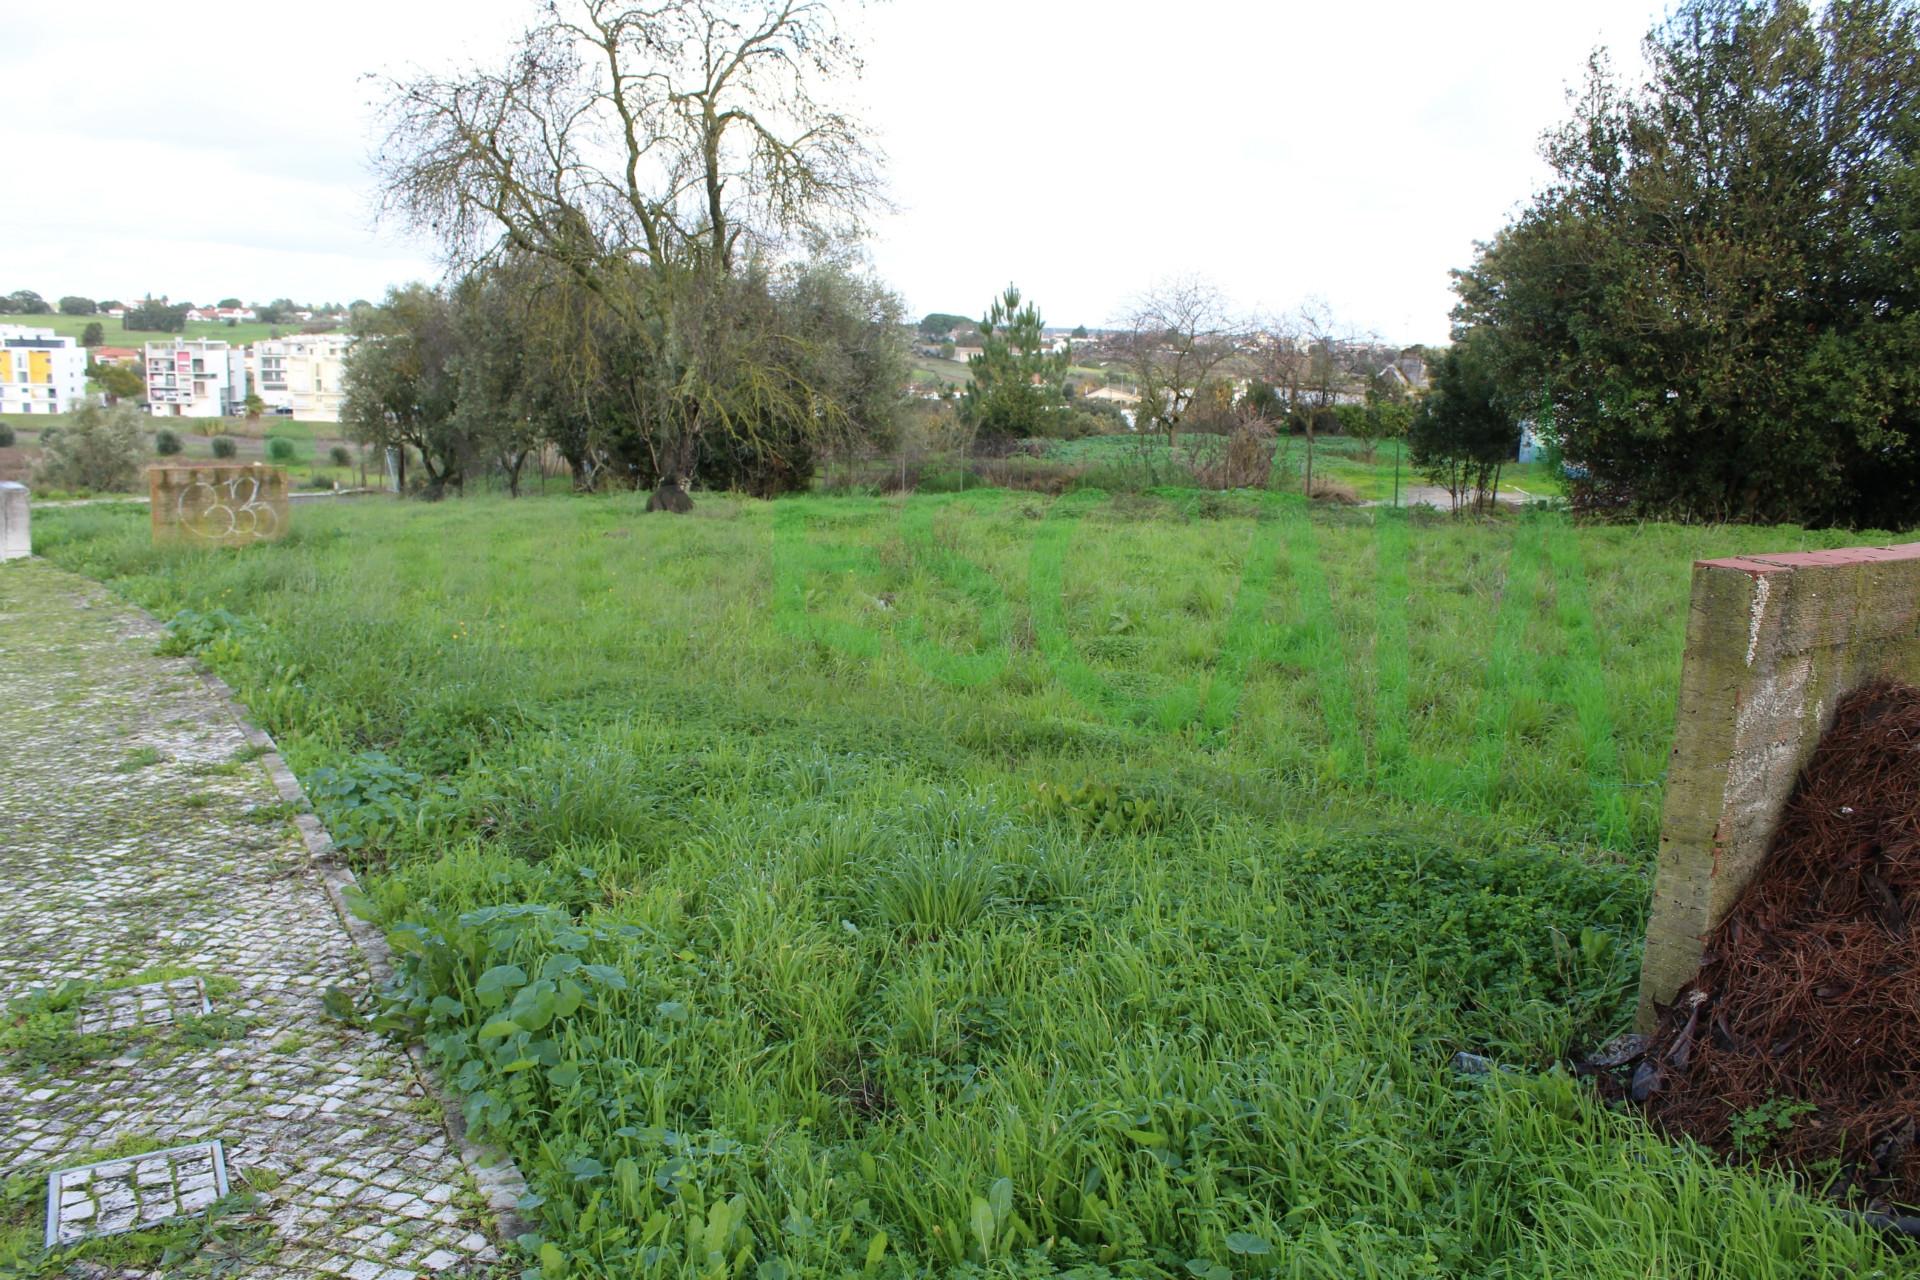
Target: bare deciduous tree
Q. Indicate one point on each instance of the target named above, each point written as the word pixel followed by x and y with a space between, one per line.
pixel 1301 358
pixel 655 152
pixel 1178 333
pixel 617 133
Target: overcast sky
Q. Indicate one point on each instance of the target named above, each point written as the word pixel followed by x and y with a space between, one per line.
pixel 1352 152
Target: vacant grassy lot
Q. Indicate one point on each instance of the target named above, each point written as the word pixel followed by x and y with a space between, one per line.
pixel 995 885
pixel 930 371
pixel 1123 461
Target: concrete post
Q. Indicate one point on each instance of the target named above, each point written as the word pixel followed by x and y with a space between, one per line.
pixel 1773 644
pixel 15 539
pixel 223 503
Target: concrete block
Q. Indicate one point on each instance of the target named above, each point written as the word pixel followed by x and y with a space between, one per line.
pixel 221 504
pixel 15 539
pixel 1773 644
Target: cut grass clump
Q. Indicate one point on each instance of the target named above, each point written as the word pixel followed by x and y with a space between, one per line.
pixel 138 759
pixel 937 892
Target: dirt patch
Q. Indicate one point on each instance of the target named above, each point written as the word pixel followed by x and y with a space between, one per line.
pixel 1798 1045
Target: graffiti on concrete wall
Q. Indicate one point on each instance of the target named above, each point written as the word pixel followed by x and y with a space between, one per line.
pixel 235 509
pixel 229 505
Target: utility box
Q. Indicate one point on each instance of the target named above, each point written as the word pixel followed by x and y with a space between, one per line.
pixel 1774 643
pixel 218 504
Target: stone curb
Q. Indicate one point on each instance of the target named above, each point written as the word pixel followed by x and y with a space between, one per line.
pixel 491 1169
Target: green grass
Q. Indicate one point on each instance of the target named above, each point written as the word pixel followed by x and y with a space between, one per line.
pixel 989 885
pixel 927 369
pixel 1127 460
pixel 117 336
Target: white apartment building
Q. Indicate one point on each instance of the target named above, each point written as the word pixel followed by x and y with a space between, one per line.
pixel 40 371
pixel 195 378
pixel 302 376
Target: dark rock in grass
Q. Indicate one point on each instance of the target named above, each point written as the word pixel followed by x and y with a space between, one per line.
pixel 1617 1052
pixel 672 496
pixel 1647 1081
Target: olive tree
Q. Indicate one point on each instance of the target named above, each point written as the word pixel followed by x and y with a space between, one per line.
pixel 401 384
pixel 99 448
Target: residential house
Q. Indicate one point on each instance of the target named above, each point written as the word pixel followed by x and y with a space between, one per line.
pixel 40 371
pixel 301 376
pixel 195 378
pixel 1533 443
pixel 128 356
pixel 1408 372
pixel 221 315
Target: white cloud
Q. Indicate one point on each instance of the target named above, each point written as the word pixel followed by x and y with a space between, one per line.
pixel 1351 152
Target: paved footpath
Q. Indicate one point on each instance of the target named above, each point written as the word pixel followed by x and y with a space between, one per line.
pixel 145 852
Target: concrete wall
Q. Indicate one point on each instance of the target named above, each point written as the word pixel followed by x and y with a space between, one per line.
pixel 223 504
pixel 1773 644
pixel 15 540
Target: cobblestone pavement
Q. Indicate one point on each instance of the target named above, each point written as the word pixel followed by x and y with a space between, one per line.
pixel 143 846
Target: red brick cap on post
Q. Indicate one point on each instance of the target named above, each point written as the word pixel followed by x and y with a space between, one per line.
pixel 1787 561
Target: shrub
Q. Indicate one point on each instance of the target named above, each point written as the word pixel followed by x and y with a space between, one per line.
pixel 280 449
pixel 101 449
pixel 6 436
pixel 1240 460
pixel 166 442
pixel 1335 492
pixel 224 447
pixel 340 456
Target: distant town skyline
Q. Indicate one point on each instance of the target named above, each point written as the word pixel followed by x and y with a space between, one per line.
pixel 1349 156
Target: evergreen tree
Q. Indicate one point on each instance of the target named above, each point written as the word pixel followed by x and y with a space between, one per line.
pixel 1719 296
pixel 1017 387
pixel 1462 434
